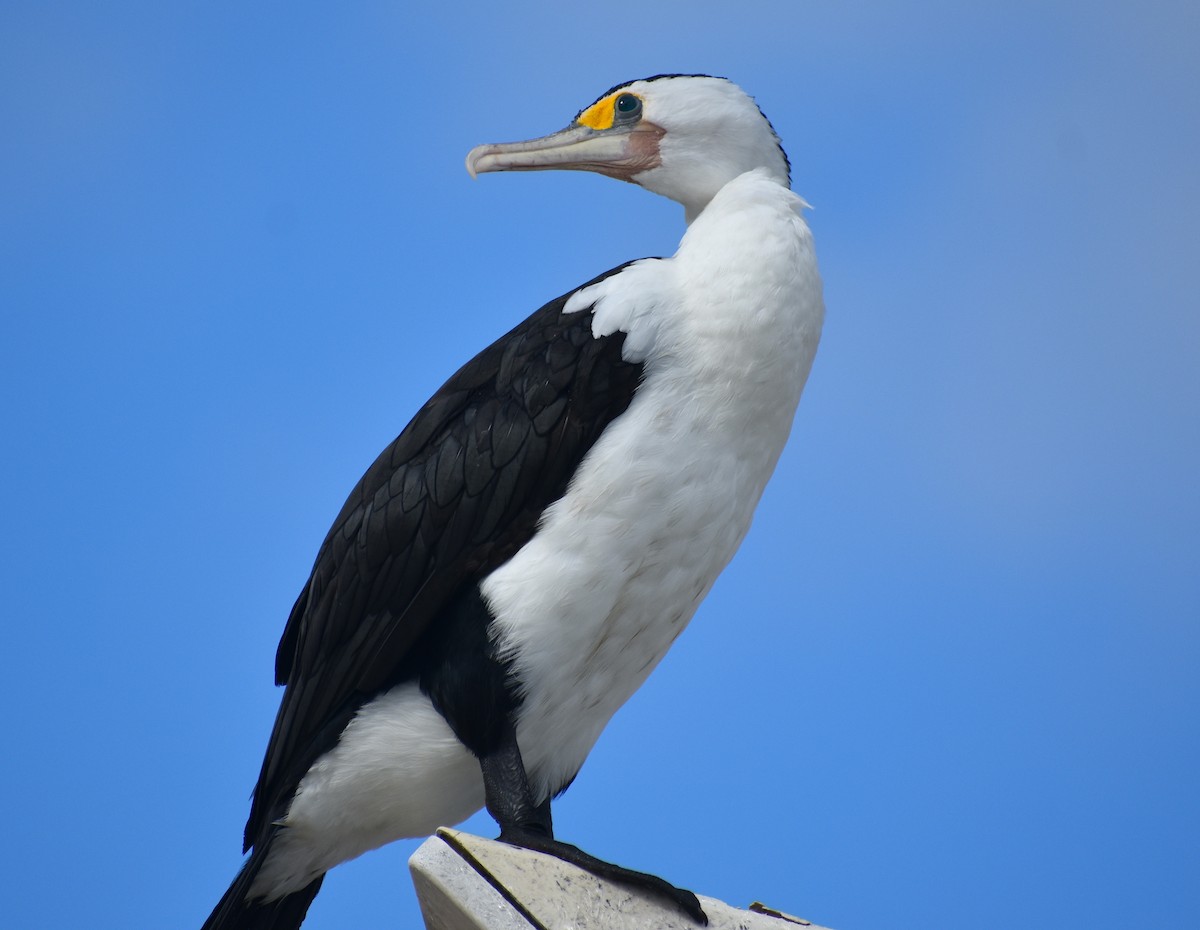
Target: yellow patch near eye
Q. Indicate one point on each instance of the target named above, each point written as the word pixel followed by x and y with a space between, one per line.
pixel 600 114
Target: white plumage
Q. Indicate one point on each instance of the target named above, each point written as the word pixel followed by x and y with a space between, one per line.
pixel 582 596
pixel 727 328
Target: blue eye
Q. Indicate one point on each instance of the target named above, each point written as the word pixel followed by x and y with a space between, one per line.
pixel 628 107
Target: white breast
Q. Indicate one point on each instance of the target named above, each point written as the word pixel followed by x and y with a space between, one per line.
pixel 727 330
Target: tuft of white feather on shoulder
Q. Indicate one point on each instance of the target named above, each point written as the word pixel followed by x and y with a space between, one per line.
pixel 628 302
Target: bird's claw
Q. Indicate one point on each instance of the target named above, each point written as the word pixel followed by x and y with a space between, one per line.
pixel 685 900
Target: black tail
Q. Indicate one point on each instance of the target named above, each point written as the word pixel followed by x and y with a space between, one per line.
pixel 234 912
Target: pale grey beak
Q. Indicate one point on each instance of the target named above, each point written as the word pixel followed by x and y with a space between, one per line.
pixel 614 152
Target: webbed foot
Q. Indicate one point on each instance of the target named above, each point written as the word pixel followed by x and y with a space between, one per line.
pixel 652 884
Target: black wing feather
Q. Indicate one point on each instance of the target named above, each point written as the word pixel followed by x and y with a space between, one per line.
pixel 456 494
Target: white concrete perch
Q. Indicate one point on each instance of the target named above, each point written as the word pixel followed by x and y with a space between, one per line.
pixel 465 882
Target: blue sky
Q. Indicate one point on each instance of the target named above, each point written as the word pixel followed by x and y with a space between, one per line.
pixel 951 678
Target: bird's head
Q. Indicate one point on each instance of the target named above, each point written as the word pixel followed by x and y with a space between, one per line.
pixel 684 136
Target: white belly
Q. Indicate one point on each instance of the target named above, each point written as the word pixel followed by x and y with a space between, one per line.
pixel 589 607
pixel 398 770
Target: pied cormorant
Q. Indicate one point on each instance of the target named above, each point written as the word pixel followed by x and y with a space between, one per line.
pixel 512 567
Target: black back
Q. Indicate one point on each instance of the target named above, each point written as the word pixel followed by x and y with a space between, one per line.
pixel 451 499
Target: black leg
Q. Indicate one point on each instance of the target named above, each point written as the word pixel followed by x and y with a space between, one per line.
pixel 526 824
pixel 509 798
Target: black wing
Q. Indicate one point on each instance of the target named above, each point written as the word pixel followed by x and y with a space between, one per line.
pixel 454 497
